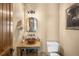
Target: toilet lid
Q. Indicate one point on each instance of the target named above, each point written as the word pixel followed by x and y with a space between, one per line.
pixel 52 46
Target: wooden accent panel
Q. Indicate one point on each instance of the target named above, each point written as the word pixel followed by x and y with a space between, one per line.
pixel 7 52
pixel 5 26
pixel 1 42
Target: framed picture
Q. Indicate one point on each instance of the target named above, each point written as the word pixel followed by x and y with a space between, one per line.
pixel 72 14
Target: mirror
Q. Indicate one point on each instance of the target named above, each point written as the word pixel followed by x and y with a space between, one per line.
pixel 32 24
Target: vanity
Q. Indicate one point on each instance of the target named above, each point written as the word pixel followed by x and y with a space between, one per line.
pixel 25 49
pixel 31 44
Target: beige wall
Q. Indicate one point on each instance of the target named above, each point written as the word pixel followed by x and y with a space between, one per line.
pixel 18 14
pixel 53 22
pixel 69 39
pixel 51 26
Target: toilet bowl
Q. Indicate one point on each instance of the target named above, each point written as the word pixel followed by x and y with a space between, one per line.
pixel 54 54
pixel 53 48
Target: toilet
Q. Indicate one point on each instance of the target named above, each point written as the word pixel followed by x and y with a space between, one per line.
pixel 53 48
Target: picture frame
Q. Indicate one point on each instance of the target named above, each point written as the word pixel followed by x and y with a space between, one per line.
pixel 72 16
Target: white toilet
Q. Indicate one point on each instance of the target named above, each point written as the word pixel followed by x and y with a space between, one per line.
pixel 53 48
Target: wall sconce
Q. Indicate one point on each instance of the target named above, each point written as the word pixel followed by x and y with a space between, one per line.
pixel 19 25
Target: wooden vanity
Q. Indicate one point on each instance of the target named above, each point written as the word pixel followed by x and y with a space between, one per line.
pixel 25 49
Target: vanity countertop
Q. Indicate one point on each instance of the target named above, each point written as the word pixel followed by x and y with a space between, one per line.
pixel 24 44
